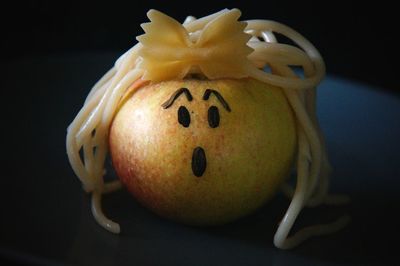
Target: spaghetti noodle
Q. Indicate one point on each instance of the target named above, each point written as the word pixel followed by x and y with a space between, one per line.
pixel 88 133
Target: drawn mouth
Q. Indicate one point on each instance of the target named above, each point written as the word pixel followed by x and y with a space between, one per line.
pixel 199 161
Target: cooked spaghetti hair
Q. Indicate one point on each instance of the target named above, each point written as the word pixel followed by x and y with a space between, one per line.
pixel 216 46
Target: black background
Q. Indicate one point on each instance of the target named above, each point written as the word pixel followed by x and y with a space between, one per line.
pixel 357 39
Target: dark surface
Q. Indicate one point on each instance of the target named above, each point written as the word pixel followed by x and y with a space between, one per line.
pixel 46 216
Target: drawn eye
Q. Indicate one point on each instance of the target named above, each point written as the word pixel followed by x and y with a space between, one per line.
pixel 213 116
pixel 183 116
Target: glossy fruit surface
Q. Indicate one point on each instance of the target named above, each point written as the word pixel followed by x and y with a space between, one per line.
pixel 203 152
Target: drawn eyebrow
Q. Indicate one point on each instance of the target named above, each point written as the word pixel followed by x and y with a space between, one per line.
pixel 207 94
pixel 175 95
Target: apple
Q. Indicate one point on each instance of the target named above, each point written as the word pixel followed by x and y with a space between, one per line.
pixel 203 152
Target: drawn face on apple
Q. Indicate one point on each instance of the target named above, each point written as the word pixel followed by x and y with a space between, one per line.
pixel 199 158
pixel 203 152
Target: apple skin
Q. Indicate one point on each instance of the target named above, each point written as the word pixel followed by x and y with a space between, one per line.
pixel 248 155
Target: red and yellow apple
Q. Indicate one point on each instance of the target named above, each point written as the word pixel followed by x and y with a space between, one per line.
pixel 203 152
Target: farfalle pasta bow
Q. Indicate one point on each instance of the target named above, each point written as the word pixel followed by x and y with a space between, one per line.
pixel 169 52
